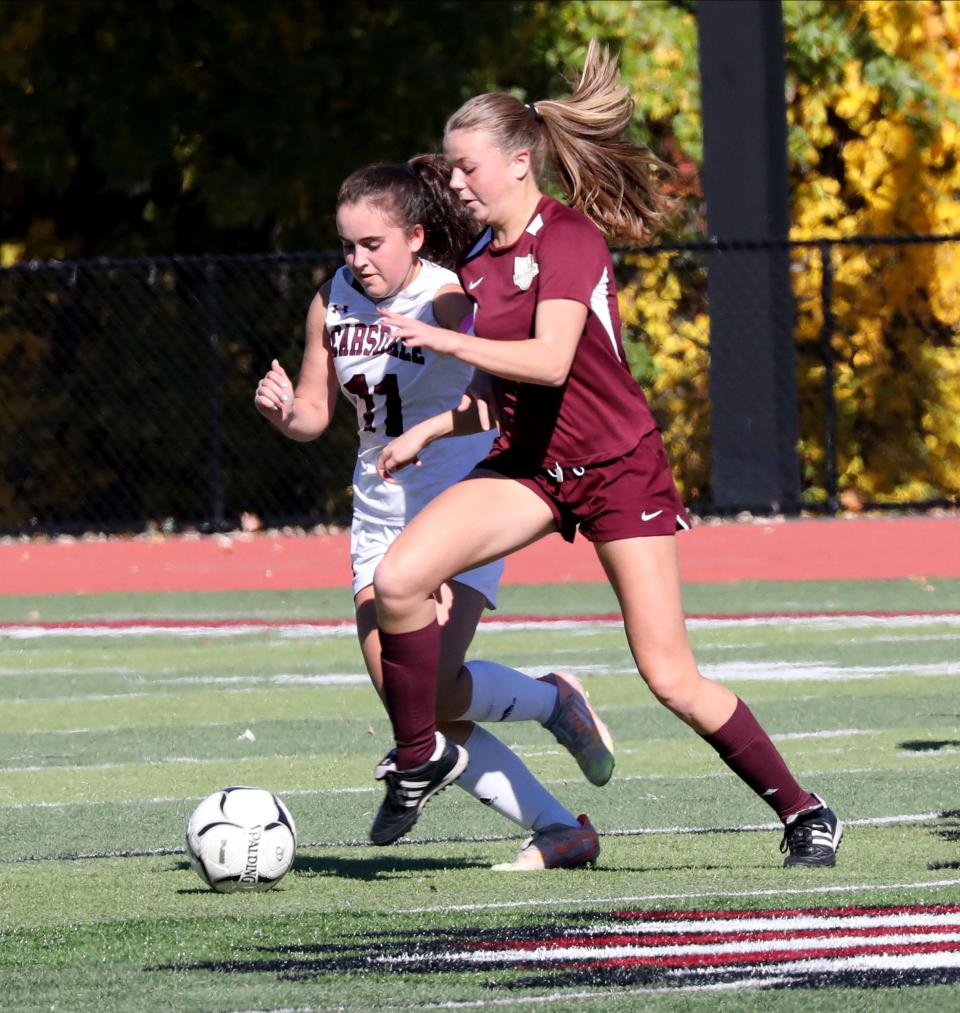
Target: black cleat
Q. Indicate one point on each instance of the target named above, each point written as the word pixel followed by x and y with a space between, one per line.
pixel 408 791
pixel 812 837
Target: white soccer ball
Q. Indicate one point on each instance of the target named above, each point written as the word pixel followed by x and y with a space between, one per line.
pixel 241 838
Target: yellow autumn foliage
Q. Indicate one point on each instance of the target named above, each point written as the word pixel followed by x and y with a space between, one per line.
pixel 666 334
pixel 891 169
pixel 873 102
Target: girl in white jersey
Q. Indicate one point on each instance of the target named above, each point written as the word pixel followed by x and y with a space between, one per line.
pixel 391 218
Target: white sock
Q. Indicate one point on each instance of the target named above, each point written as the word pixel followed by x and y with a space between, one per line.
pixel 504 694
pixel 497 777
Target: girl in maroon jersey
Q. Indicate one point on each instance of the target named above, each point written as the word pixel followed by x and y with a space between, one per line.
pixel 578 447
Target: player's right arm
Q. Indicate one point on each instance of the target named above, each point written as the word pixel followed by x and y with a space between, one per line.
pixel 468 418
pixel 303 412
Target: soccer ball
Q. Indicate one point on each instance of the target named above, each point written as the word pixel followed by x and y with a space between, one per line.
pixel 241 839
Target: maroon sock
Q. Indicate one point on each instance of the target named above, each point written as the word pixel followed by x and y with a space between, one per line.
pixel 410 662
pixel 747 750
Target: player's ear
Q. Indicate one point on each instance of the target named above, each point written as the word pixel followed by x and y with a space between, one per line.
pixel 520 163
pixel 416 237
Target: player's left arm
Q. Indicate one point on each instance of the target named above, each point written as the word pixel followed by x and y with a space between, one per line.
pixel 407 448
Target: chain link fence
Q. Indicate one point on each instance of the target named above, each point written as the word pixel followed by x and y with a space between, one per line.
pixel 126 387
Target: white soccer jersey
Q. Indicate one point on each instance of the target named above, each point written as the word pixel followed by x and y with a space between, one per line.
pixel 394 388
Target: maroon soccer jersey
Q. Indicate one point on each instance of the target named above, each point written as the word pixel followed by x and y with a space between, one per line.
pixel 600 412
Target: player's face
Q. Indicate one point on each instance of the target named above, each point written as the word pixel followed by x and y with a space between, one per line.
pixel 381 254
pixel 485 179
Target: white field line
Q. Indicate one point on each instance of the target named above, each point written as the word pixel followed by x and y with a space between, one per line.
pixel 96 697
pixel 101 766
pixel 607 996
pixel 762 645
pixel 519 750
pixel 79 698
pixel 839 621
pixel 96 670
pixel 767 671
pixel 186 799
pixel 279 679
pixel 770 671
pixel 569 998
pixel 654 898
pixel 873 821
pixel 815 671
pixel 587 669
pixel 119 728
pixel 838 733
pixel 926 638
pixel 761 978
pixel 561 954
pixel 920 819
pixel 802 773
pixel 848 926
pixel 138 679
pixel 672 778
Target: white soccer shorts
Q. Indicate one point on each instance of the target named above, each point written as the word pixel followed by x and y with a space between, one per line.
pixel 369 542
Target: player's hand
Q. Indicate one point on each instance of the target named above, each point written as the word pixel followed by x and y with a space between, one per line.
pixel 398 454
pixel 485 393
pixel 274 396
pixel 417 334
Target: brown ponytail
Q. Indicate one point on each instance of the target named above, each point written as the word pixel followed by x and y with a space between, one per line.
pixel 416 193
pixel 612 181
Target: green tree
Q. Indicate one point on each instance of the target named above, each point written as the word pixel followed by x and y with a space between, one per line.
pixel 226 125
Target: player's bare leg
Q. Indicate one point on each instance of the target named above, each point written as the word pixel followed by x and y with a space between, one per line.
pixel 504 516
pixel 645 576
pixel 495 775
pixel 473 522
pixel 455 532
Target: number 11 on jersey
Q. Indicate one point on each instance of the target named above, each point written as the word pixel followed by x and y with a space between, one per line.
pixel 389 389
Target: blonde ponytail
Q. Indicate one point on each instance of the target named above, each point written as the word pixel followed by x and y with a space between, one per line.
pixel 615 183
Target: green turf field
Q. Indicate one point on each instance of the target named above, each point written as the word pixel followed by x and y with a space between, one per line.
pixel 107 742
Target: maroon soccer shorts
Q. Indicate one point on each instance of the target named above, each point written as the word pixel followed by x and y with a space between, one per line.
pixel 632 497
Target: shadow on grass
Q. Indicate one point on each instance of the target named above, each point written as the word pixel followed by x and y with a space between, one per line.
pixel 209 890
pixel 364 869
pixel 948 829
pixel 929 745
pixel 379 867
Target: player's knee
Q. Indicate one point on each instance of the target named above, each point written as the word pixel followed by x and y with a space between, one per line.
pixel 395 585
pixel 676 693
pixel 389 583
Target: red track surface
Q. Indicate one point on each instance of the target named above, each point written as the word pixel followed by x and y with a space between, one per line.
pixel 857 549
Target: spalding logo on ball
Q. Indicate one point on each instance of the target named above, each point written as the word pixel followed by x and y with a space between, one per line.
pixel 241 838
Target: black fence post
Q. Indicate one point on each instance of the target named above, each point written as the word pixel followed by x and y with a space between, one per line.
pixel 829 395
pixel 211 307
pixel 753 438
